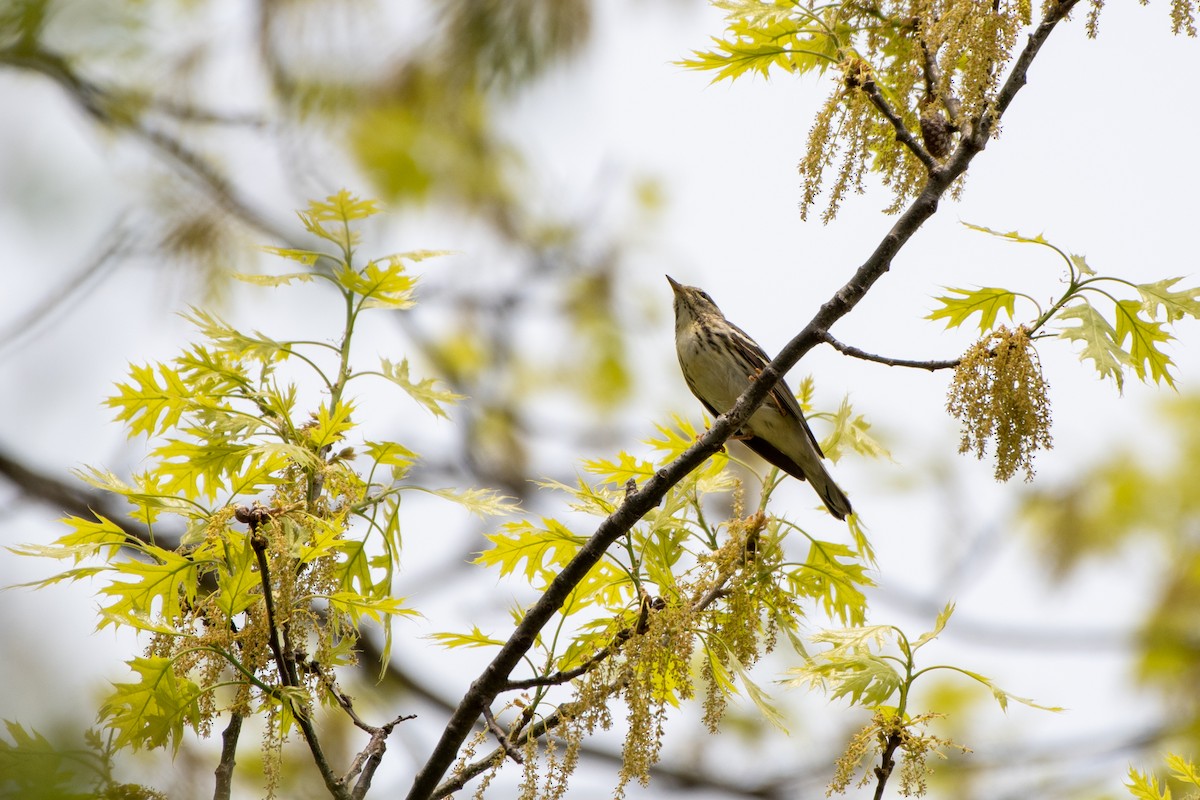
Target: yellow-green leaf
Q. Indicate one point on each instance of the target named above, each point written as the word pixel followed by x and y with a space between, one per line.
pixel 305 257
pixel 152 401
pixel 986 301
pixel 140 589
pixel 1144 337
pixel 476 638
pixel 623 470
pixel 1145 787
pixel 1175 304
pixel 543 550
pixel 1099 341
pixel 850 431
pixel 153 711
pixel 426 392
pixel 381 284
pixel 938 626
pixel 1183 770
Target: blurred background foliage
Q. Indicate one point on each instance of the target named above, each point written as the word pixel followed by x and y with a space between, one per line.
pixel 212 120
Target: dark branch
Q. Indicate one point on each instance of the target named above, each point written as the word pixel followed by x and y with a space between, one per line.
pixel 224 770
pixel 887 763
pixel 371 757
pixel 903 134
pixel 286 665
pixel 502 737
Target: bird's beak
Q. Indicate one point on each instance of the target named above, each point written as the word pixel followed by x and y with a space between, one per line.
pixel 675 285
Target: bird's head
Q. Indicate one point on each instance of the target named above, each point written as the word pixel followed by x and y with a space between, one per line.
pixel 692 303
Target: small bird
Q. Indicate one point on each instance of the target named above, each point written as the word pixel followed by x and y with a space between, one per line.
pixel 719 361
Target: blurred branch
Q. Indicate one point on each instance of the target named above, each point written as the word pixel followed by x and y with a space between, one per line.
pixel 69 497
pixel 115 109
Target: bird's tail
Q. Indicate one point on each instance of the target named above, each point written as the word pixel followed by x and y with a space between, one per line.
pixel 831 494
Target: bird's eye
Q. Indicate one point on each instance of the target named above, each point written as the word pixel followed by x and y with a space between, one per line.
pixel 706 297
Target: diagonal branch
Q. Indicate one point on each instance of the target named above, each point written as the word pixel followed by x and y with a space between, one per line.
pixel 111 108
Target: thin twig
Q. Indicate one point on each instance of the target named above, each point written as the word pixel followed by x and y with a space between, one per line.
pixel 854 352
pixel 287 669
pixel 371 757
pixel 258 543
pixel 563 676
pixel 502 737
pixel 903 134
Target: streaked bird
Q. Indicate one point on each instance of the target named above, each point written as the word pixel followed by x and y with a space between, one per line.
pixel 719 361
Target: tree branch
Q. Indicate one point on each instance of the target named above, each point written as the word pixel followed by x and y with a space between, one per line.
pixel 854 352
pixel 887 763
pixel 502 736
pixel 224 771
pixel 287 669
pixel 903 134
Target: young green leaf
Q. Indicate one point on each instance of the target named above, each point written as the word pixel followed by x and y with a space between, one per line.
pixel 1099 341
pixel 543 550
pixel 988 302
pixel 380 284
pixel 1144 337
pixel 141 589
pixel 626 468
pixel 153 711
pixel 850 431
pixel 1145 787
pixel 761 37
pixel 761 699
pixel 1183 770
pixel 480 502
pixel 1014 236
pixel 148 406
pixel 330 219
pixel 938 626
pixel 1175 304
pixel 424 392
pixel 233 342
pixel 476 638
pixel 1002 697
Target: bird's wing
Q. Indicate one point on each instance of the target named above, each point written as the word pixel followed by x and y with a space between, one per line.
pixel 781 395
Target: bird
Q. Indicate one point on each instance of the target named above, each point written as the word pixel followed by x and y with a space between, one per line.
pixel 719 361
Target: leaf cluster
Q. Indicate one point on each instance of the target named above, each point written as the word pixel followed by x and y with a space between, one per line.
pixel 916 78
pixel 290 518
pixel 998 390
pixel 875 666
